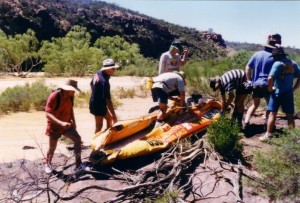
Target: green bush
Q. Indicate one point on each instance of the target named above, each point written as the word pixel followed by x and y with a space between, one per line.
pixel 39 93
pixel 224 137
pixel 23 98
pixel 280 166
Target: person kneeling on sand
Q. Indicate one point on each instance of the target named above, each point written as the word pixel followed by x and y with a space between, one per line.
pixel 61 121
pixel 166 86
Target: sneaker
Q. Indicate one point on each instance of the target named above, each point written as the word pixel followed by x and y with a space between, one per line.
pixel 83 167
pixel 48 168
pixel 158 124
pixel 267 136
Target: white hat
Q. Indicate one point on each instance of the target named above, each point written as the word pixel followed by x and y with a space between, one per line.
pixel 109 64
pixel 70 85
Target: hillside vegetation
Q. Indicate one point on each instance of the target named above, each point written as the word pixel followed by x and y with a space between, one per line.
pixel 54 18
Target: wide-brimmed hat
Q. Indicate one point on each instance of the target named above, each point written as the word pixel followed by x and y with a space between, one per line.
pixel 278 52
pixel 70 85
pixel 213 82
pixel 270 43
pixel 109 64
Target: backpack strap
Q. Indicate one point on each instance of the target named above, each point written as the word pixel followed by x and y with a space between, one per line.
pixel 58 99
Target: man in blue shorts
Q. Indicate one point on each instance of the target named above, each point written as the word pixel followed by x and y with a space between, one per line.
pixel 281 85
pixel 165 86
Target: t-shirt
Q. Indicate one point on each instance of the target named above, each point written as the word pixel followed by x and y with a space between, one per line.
pixel 261 64
pixel 100 89
pixel 62 112
pixel 169 82
pixel 284 72
pixel 169 62
pixel 231 80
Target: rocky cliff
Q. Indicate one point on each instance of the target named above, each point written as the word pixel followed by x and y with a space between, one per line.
pixel 54 18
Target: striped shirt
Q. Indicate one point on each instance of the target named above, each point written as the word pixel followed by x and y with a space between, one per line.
pixel 231 80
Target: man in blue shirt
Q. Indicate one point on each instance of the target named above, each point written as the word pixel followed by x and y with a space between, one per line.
pixel 260 65
pixel 281 85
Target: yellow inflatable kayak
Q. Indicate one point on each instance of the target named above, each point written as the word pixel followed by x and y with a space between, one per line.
pixel 137 137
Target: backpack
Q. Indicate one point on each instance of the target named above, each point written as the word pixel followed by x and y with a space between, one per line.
pixel 58 99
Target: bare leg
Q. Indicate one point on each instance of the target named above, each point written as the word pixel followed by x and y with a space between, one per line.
pixel 99 123
pixel 75 137
pixel 162 113
pixel 52 147
pixel 252 108
pixel 291 121
pixel 271 121
pixel 108 119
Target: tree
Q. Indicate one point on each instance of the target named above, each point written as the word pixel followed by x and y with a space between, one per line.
pixel 71 54
pixel 18 52
pixel 120 50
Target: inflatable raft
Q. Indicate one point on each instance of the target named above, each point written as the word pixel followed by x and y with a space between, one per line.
pixel 137 137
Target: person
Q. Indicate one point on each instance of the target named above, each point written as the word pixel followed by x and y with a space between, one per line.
pixel 260 64
pixel 281 85
pixel 100 104
pixel 170 85
pixel 61 121
pixel 228 82
pixel 171 60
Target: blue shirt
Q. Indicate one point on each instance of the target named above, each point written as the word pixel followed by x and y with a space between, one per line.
pixel 261 64
pixel 284 72
pixel 100 88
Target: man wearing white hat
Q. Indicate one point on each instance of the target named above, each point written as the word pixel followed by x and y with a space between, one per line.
pixel 61 121
pixel 101 105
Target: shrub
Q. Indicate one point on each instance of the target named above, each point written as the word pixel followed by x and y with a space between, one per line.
pixel 224 137
pixel 280 166
pixel 39 93
pixel 22 98
pixel 122 92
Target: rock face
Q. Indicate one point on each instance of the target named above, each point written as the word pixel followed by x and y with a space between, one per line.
pixel 54 18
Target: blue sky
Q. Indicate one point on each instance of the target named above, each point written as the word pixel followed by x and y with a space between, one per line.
pixel 239 21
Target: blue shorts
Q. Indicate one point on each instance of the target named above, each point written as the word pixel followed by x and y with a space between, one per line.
pixel 158 95
pixel 285 100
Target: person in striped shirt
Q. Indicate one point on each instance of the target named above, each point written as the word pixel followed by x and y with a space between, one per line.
pixel 228 82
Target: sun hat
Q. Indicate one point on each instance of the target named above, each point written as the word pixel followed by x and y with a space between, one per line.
pixel 213 82
pixel 109 64
pixel 270 43
pixel 70 85
pixel 278 52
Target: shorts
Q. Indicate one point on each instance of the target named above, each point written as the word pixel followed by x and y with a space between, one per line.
pixel 98 109
pixel 261 91
pixel 158 95
pixel 285 100
pixel 241 90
